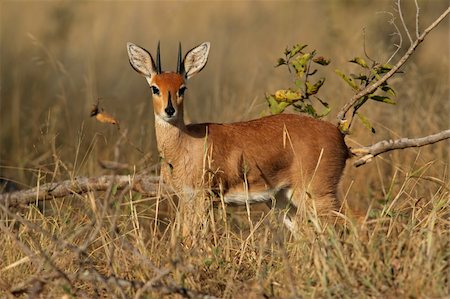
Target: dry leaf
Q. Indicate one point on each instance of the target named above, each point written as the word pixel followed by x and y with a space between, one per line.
pixel 103 116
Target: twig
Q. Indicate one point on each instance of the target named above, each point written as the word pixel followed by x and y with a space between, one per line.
pixel 368 152
pixel 400 13
pixel 142 183
pixel 113 165
pixel 398 46
pixel 371 88
pixel 417 19
pixel 364 46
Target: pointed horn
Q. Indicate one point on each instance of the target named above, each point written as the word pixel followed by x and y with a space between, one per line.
pixel 158 60
pixel 179 64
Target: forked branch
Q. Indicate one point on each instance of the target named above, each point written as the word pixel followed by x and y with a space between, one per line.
pixel 372 87
pixel 368 152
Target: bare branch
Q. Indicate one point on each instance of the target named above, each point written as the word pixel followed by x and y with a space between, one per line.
pixel 371 88
pixel 400 42
pixel 92 275
pixel 364 46
pixel 141 183
pixel 400 13
pixel 417 19
pixel 368 152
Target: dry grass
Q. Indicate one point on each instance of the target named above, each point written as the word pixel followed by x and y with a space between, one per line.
pixel 401 250
pixel 58 57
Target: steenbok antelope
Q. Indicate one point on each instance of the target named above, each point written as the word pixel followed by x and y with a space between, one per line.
pixel 286 159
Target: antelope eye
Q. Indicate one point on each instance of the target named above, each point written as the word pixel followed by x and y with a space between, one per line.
pixel 181 91
pixel 155 90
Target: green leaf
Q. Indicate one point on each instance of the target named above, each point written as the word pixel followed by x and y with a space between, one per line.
pixel 300 64
pixel 344 126
pixel 366 122
pixel 360 61
pixel 306 108
pixel 321 60
pixel 384 68
pixel 383 99
pixel 296 49
pixel 375 74
pixel 387 66
pixel 347 79
pixel 389 90
pixel 275 106
pixel 310 110
pixel 288 95
pixel 325 112
pixel 298 83
pixel 359 77
pixel 314 88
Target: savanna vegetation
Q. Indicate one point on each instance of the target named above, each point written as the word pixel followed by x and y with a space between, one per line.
pixel 59 58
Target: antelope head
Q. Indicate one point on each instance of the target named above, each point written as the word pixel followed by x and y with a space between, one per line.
pixel 168 88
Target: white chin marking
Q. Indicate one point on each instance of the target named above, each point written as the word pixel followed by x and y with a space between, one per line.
pixel 163 121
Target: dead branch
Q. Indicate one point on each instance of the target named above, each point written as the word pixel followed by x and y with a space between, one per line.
pixel 368 152
pixel 92 275
pixel 371 88
pixel 33 286
pixel 142 183
pixel 37 283
pixel 113 165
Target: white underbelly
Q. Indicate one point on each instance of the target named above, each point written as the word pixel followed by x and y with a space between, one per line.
pixel 242 198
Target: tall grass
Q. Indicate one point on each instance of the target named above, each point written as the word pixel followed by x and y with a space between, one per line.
pixel 57 58
pixel 400 249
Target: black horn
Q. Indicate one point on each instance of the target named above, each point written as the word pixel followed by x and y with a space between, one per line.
pixel 180 62
pixel 158 60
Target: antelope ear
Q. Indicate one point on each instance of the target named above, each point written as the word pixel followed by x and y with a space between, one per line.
pixel 141 60
pixel 195 60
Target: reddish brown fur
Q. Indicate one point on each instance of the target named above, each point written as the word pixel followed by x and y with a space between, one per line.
pixel 287 157
pixel 166 82
pixel 257 152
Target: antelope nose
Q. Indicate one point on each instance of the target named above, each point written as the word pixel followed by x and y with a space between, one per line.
pixel 170 110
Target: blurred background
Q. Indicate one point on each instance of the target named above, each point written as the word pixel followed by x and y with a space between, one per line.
pixel 58 57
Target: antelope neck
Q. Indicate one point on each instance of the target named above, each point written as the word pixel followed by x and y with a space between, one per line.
pixel 170 137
